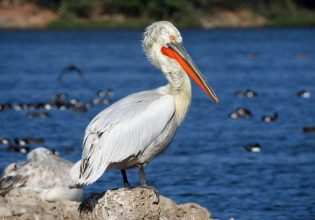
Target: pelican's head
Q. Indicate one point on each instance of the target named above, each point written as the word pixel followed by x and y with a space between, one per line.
pixel 162 45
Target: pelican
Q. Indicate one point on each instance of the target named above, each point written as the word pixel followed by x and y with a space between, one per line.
pixel 43 173
pixel 136 129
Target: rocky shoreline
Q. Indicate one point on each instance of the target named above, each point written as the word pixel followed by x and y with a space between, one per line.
pixel 131 204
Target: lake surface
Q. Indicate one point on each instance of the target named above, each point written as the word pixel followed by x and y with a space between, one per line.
pixel 206 163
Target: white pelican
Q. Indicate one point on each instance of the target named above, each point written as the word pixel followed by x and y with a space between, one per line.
pixel 45 174
pixel 137 128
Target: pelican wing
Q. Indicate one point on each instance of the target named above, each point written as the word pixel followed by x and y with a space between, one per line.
pixel 11 179
pixel 123 131
pixel 37 176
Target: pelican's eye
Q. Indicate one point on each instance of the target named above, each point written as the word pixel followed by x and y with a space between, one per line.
pixel 172 38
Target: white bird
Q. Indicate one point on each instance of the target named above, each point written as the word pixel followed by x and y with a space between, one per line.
pixel 137 128
pixel 45 174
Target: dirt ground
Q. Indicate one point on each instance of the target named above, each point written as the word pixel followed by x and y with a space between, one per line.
pixel 24 15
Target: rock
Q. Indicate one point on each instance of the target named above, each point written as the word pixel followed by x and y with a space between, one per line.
pixel 120 204
pixel 187 211
pixel 18 204
pixel 133 204
pixel 138 203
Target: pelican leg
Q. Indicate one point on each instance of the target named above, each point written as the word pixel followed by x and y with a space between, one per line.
pixel 126 183
pixel 143 182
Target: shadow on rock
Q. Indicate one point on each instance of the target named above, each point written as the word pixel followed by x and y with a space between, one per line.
pixel 90 203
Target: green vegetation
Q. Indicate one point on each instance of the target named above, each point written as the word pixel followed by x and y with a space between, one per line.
pixel 185 13
pixel 292 22
pixel 76 8
pixel 291 13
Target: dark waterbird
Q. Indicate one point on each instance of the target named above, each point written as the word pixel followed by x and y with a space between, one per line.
pixel 55 152
pixel 304 94
pixel 270 118
pixel 14 145
pixel 71 69
pixel 68 149
pixel 20 142
pixel 18 148
pixel 254 148
pixel 105 93
pixel 4 141
pixel 247 93
pixel 28 140
pixel 17 107
pixel 309 129
pixel 81 107
pixel 5 106
pixel 241 112
pixel 32 115
pixel 100 100
pixel 59 97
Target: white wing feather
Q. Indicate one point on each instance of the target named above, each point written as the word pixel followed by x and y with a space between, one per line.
pixel 44 173
pixel 122 131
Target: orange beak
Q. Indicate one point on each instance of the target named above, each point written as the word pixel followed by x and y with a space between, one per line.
pixel 177 52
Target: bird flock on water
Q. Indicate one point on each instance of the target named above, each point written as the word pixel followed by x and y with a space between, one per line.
pixel 245 113
pixel 59 101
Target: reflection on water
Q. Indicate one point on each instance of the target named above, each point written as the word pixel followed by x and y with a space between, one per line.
pixel 207 162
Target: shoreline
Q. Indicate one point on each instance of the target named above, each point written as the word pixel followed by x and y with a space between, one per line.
pixel 32 17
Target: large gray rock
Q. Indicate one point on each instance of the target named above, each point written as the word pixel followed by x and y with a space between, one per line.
pixel 19 204
pixel 121 204
pixel 138 204
pixel 124 204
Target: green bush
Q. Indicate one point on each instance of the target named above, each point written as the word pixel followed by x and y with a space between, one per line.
pixel 150 8
pixel 128 7
pixel 166 8
pixel 77 8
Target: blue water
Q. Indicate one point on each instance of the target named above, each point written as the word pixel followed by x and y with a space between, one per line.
pixel 206 162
